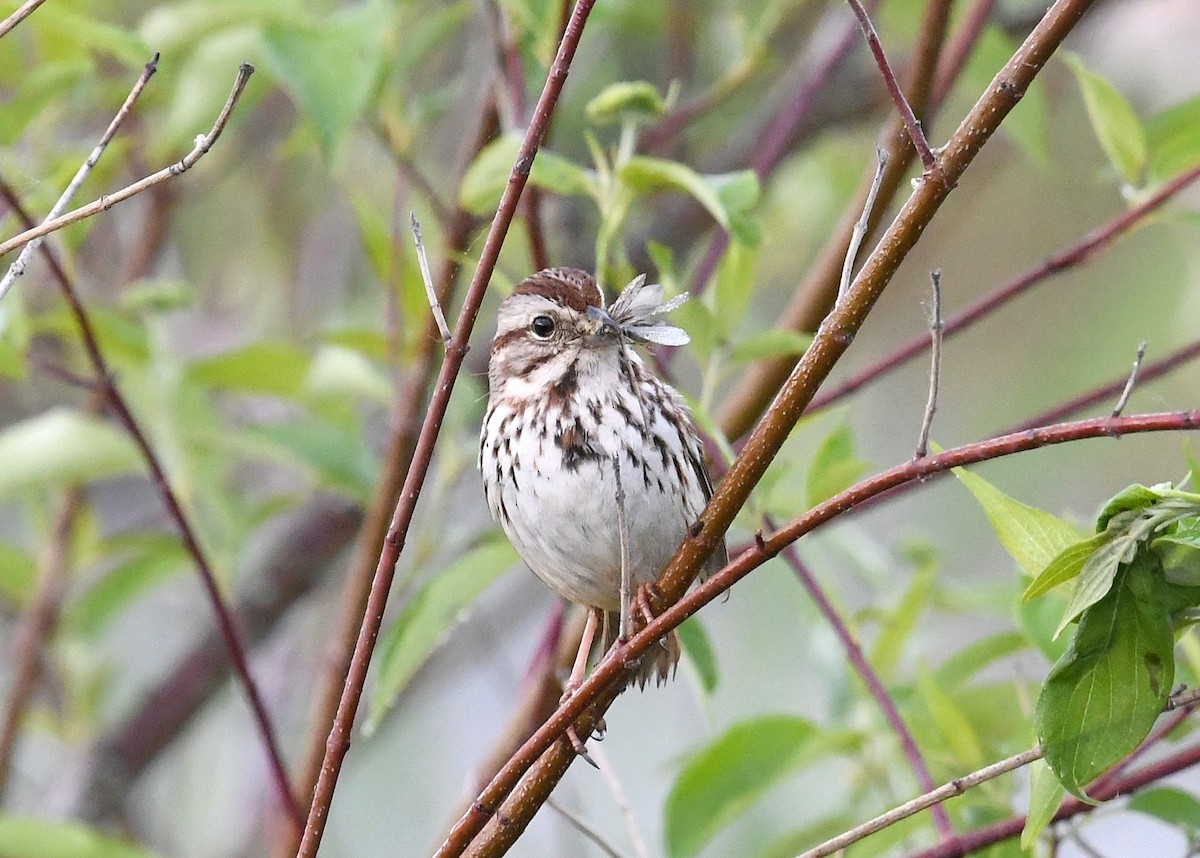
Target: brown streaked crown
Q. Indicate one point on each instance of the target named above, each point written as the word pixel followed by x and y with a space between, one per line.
pixel 570 287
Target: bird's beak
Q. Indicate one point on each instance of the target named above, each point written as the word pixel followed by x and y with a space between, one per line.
pixel 600 322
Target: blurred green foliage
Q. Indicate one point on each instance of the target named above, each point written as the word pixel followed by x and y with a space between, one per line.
pixel 261 312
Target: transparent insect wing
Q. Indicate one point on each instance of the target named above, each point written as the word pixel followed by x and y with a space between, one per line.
pixel 638 300
pixel 659 333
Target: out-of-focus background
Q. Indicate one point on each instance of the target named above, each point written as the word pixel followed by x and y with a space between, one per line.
pixel 263 313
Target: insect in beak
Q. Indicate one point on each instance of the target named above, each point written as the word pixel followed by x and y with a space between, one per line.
pixel 600 322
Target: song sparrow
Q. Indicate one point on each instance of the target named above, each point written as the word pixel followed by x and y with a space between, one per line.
pixel 583 444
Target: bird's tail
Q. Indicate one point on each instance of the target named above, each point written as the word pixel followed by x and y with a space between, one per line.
pixel 658 663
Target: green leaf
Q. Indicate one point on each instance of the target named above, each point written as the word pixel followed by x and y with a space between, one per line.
pixel 25 837
pixel 337 371
pixel 96 34
pixel 834 466
pixel 1104 695
pixel 1115 124
pixel 1135 498
pixel 727 777
pixel 974 657
pixel 1173 137
pixel 644 174
pixel 330 66
pixel 1038 618
pixel 272 368
pixel 734 287
pixel 739 193
pixel 18 574
pixel 488 174
pixel 156 559
pixel 331 455
pixel 61 447
pixel 697 319
pixel 1033 537
pixel 770 344
pixel 429 617
pixel 898 624
pixel 626 100
pixel 1170 804
pixel 1067 565
pixel 1099 570
pixel 955 729
pixel 699 651
pixel 1045 795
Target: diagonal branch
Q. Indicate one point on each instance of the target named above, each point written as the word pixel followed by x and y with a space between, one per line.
pixel 338 742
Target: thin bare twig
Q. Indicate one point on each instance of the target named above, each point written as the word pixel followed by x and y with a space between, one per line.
pixel 18 267
pixel 1133 378
pixel 25 10
pixel 1106 392
pixel 889 77
pixel 863 223
pixel 935 363
pixel 934 797
pixel 1099 239
pixel 203 144
pixel 623 537
pixel 640 850
pixel 427 279
pixel 338 742
pixel 585 828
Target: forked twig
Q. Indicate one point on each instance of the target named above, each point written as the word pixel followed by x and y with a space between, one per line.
pixel 204 142
pixel 935 363
pixel 18 267
pixel 107 386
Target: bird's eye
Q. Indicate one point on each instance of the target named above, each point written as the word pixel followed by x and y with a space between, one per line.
pixel 542 327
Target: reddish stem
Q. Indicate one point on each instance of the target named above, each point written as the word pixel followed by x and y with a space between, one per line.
pixel 338 742
pixel 911 123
